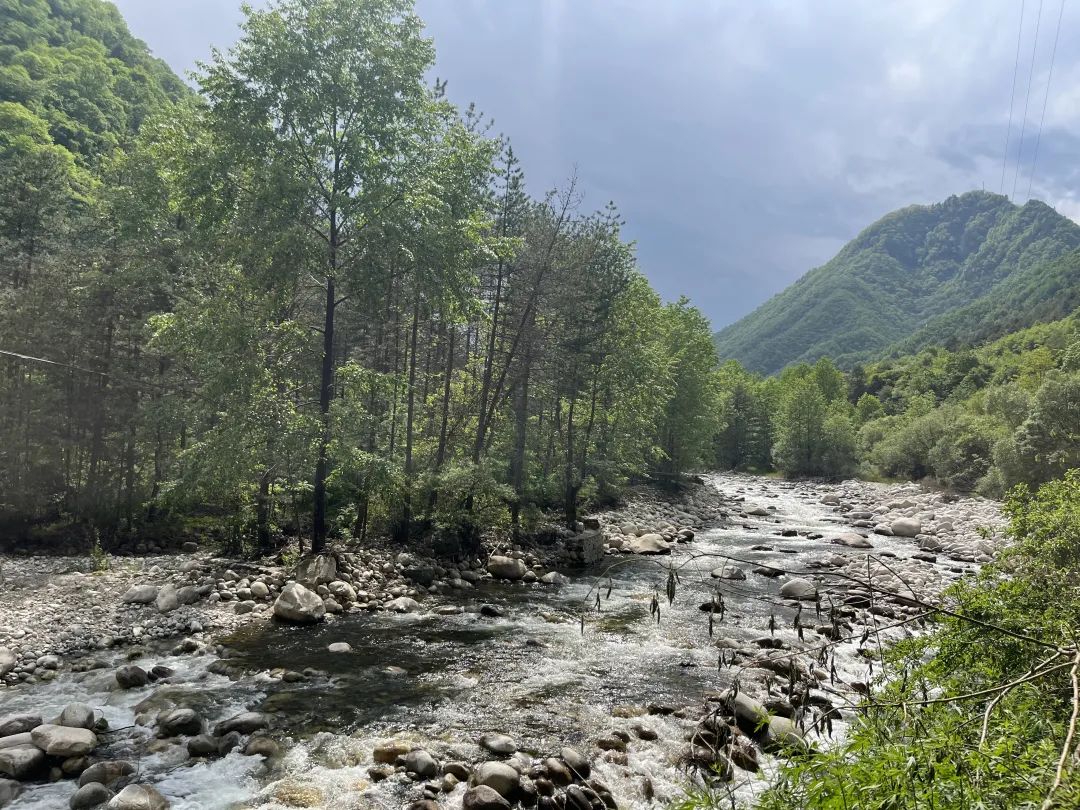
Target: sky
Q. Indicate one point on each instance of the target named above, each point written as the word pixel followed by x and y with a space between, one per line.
pixel 745 141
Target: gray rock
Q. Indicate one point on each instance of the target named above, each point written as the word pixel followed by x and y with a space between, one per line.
pixel 576 762
pixel 500 744
pixel 750 715
pixel 76 715
pixel 138 797
pixel 132 677
pixel 508 568
pixel 403 604
pixel 851 540
pixel 483 797
pixel 140 594
pixel 202 745
pixel 729 572
pixel 61 741
pixel 498 776
pixel 648 544
pixel 244 723
pixel 799 588
pixel 21 761
pixel 783 734
pixel 8 660
pixel 18 723
pixel 317 570
pixel 177 722
pixel 299 605
pixel 107 772
pixel 262 747
pixel 259 590
pixel 339 647
pixel 906 527
pixel 90 795
pixel 421 763
pixel 12 740
pixel 167 598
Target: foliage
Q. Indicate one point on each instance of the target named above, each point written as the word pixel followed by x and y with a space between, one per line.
pixel 971 268
pixel 312 298
pixel 983 418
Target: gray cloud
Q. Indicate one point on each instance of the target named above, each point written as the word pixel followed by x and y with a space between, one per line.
pixel 744 142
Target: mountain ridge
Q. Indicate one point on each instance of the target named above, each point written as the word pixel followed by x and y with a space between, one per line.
pixel 898 285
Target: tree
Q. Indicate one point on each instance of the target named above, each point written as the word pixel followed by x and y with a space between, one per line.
pixel 333 91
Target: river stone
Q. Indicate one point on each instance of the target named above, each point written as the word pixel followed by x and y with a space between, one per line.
pixel 131 677
pixel 799 588
pixel 90 795
pixel 317 570
pixel 76 715
pixel 421 763
pixel 18 723
pixel 420 572
pixel 500 744
pixel 729 572
pixel 243 723
pixel 12 740
pixel 177 722
pixel 750 715
pixel 403 604
pixel 576 762
pixel 498 776
pixel 339 647
pixel 262 747
pixel 782 733
pixel 107 772
pixel 506 567
pixel 140 594
pixel 852 540
pixel 8 660
pixel 483 797
pixel 202 745
pixel 553 578
pixel 342 591
pixel 138 797
pixel 187 595
pixel 906 527
pixel 558 771
pixel 387 753
pixel 61 741
pixel 648 544
pixel 167 598
pixel 21 761
pixel 9 791
pixel 259 590
pixel 299 605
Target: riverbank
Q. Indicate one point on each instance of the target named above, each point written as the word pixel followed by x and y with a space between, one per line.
pixel 478 655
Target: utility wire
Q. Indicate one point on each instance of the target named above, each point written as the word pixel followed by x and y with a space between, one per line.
pixel 1027 100
pixel 1012 97
pixel 1046 96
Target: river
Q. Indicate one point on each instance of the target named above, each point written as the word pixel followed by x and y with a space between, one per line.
pixel 550 669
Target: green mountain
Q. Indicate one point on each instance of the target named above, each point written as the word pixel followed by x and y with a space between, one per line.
pixel 71 73
pixel 965 270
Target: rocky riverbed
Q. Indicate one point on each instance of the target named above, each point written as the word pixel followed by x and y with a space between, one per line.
pixel 556 675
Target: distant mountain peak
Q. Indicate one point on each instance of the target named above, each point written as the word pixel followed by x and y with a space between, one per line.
pixel 965 269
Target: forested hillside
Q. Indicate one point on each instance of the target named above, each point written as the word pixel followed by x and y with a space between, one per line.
pixel 987 418
pixel 312 298
pixel 971 268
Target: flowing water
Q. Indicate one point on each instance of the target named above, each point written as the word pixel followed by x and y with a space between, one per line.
pixel 442 680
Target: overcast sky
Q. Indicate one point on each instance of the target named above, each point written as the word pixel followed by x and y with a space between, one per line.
pixel 744 141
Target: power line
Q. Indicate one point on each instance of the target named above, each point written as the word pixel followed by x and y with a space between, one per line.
pixel 1012 97
pixel 1027 100
pixel 1046 96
